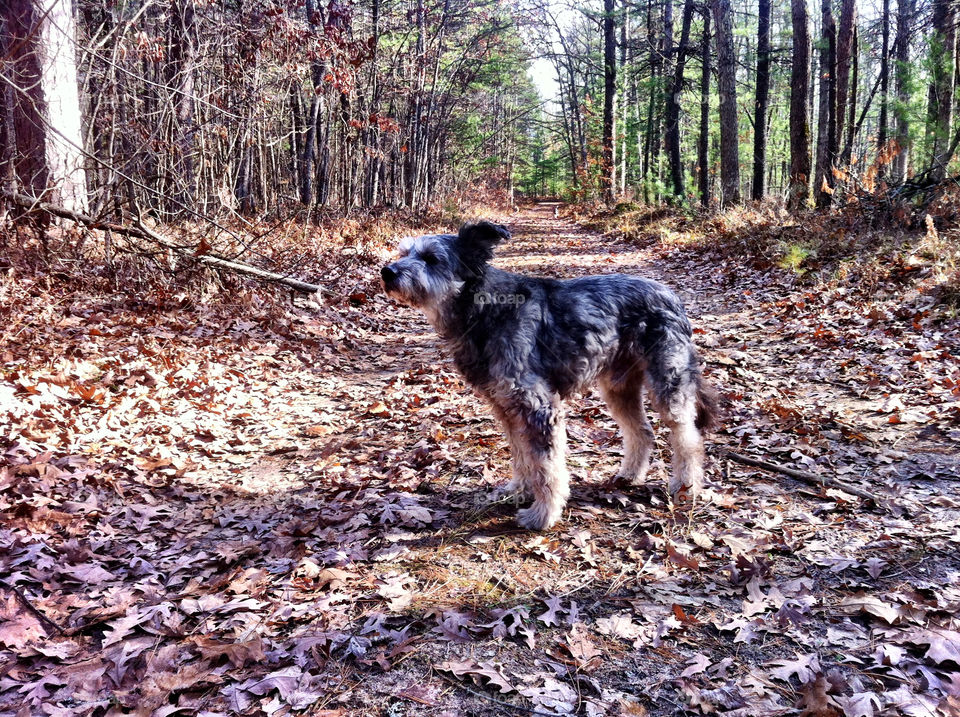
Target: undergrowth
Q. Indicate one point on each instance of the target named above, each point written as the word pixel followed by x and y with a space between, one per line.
pixel 332 251
pixel 814 249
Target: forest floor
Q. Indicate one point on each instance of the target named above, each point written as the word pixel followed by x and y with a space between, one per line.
pixel 229 508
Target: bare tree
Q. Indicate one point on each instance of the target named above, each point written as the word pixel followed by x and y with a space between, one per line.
pixel 762 101
pixel 799 93
pixel 727 84
pixel 179 172
pixel 673 105
pixel 609 100
pixel 43 147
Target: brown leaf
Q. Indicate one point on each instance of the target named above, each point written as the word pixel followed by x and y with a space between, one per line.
pixel 378 409
pixel 682 559
pixel 581 647
pixel 814 700
pixel 805 667
pixel 697 664
pixel 239 653
pixel 872 605
pixel 485 670
pixel 943 645
pixel 17 627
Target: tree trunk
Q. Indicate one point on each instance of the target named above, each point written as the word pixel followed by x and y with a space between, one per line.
pixel 762 101
pixel 852 127
pixel 41 112
pixel 182 60
pixel 703 141
pixel 846 47
pixel 727 85
pixel 882 130
pixel 673 106
pixel 373 133
pixel 902 79
pixel 608 177
pixel 651 143
pixel 799 93
pixel 308 160
pixel 940 100
pixel 625 102
pixel 827 115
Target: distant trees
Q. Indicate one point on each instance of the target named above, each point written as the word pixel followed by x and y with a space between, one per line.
pixel 816 124
pixel 902 82
pixel 673 105
pixel 188 107
pixel 943 49
pixel 703 141
pixel 884 119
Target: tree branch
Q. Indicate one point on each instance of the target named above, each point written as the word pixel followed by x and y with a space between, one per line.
pixel 140 231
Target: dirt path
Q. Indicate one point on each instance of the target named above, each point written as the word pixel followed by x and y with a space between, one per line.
pixel 263 517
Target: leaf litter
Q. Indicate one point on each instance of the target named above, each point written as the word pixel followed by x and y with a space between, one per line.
pixel 258 508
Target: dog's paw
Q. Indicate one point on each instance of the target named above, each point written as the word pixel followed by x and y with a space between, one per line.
pixel 511 491
pixel 620 480
pixel 537 517
pixel 686 496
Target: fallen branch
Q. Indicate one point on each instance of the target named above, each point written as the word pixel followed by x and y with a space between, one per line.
pixel 48 624
pixel 810 478
pixel 142 232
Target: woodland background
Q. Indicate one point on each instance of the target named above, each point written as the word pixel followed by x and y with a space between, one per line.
pixel 187 108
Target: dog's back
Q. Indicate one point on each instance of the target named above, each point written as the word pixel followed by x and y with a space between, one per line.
pixel 570 331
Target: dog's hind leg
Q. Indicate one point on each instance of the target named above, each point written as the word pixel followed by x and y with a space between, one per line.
pixel 687 445
pixel 673 380
pixel 538 436
pixel 625 401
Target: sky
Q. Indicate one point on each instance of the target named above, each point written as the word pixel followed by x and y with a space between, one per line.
pixel 544 78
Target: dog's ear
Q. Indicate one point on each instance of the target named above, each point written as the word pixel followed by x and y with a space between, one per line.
pixel 475 243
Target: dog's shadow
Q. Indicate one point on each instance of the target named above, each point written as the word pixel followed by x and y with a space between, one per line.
pixel 497 518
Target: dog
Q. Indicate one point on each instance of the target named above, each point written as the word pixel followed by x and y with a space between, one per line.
pixel 526 343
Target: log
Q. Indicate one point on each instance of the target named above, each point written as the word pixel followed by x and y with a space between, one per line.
pixel 142 232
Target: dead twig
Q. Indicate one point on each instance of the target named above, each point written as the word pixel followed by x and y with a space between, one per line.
pixel 22 599
pixel 810 478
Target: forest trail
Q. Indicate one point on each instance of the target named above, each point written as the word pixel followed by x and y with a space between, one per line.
pixel 245 514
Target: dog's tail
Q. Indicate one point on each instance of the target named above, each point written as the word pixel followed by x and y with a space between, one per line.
pixel 708 408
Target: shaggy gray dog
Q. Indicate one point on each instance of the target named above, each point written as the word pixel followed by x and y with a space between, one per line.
pixel 526 343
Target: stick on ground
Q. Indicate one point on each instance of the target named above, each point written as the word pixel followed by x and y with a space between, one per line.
pixel 810 478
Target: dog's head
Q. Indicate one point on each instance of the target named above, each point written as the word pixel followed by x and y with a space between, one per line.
pixel 433 268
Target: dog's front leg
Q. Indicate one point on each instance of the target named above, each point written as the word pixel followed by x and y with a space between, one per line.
pixel 538 436
pixel 516 487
